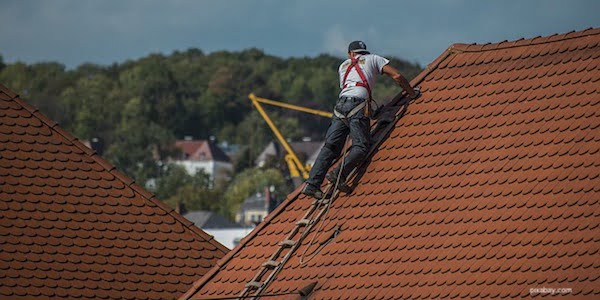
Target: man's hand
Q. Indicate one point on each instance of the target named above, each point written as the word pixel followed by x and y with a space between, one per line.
pixel 417 90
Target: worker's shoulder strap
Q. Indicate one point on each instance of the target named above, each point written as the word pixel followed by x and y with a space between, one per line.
pixel 364 82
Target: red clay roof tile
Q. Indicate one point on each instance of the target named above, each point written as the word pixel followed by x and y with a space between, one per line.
pixel 486 187
pixel 73 226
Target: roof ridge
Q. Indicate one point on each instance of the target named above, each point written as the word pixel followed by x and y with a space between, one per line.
pixel 110 168
pixel 522 42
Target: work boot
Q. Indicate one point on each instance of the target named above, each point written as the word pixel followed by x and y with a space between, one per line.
pixel 312 191
pixel 333 174
pixel 342 185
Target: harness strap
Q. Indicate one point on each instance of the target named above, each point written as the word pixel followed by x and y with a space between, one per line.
pixel 364 82
pixel 350 113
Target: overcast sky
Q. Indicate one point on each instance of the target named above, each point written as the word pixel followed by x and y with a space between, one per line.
pixel 107 31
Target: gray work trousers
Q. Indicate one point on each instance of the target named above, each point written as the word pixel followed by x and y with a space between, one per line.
pixel 358 128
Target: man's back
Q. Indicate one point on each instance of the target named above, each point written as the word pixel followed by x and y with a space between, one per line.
pixel 371 66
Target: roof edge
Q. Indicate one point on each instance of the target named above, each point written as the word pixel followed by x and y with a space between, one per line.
pixel 525 42
pixel 110 168
pixel 225 259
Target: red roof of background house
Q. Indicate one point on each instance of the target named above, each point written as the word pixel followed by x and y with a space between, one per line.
pixel 486 187
pixel 72 226
pixel 201 150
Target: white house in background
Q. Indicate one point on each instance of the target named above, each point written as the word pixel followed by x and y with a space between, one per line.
pixel 203 155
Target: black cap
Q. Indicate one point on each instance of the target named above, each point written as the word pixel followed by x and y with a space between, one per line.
pixel 358 47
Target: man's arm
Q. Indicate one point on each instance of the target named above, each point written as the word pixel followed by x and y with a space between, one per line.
pixel 392 72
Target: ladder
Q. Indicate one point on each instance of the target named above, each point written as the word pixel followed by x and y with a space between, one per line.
pixel 288 246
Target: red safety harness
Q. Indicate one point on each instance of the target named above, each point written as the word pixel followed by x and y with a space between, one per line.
pixel 364 83
pixel 366 105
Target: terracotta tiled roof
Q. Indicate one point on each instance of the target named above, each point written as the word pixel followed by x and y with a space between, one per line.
pixel 486 187
pixel 201 150
pixel 72 226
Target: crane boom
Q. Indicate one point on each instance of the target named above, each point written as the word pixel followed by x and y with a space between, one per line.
pixel 317 112
pixel 295 165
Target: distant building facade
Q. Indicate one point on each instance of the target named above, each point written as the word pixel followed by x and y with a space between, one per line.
pixel 255 208
pixel 203 155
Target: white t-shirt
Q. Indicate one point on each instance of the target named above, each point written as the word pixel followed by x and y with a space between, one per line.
pixel 371 65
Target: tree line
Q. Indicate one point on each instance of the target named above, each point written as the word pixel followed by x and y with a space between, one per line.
pixel 138 108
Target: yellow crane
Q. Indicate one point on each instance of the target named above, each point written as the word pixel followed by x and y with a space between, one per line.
pixel 296 167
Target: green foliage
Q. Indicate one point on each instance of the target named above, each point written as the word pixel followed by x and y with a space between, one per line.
pixel 176 186
pixel 40 83
pixel 251 181
pixel 93 103
pixel 140 107
pixel 139 142
pixel 17 76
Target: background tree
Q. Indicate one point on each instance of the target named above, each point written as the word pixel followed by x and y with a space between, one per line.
pixel 94 106
pixel 139 142
pixel 251 181
pixel 140 107
pixel 176 186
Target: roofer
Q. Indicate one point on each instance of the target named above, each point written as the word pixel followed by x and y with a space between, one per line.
pixel 351 116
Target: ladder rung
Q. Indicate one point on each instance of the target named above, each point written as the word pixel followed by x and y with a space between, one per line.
pixel 303 222
pixel 270 264
pixel 254 284
pixel 287 243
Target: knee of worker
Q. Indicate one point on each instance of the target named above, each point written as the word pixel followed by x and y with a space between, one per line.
pixel 360 150
pixel 332 148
